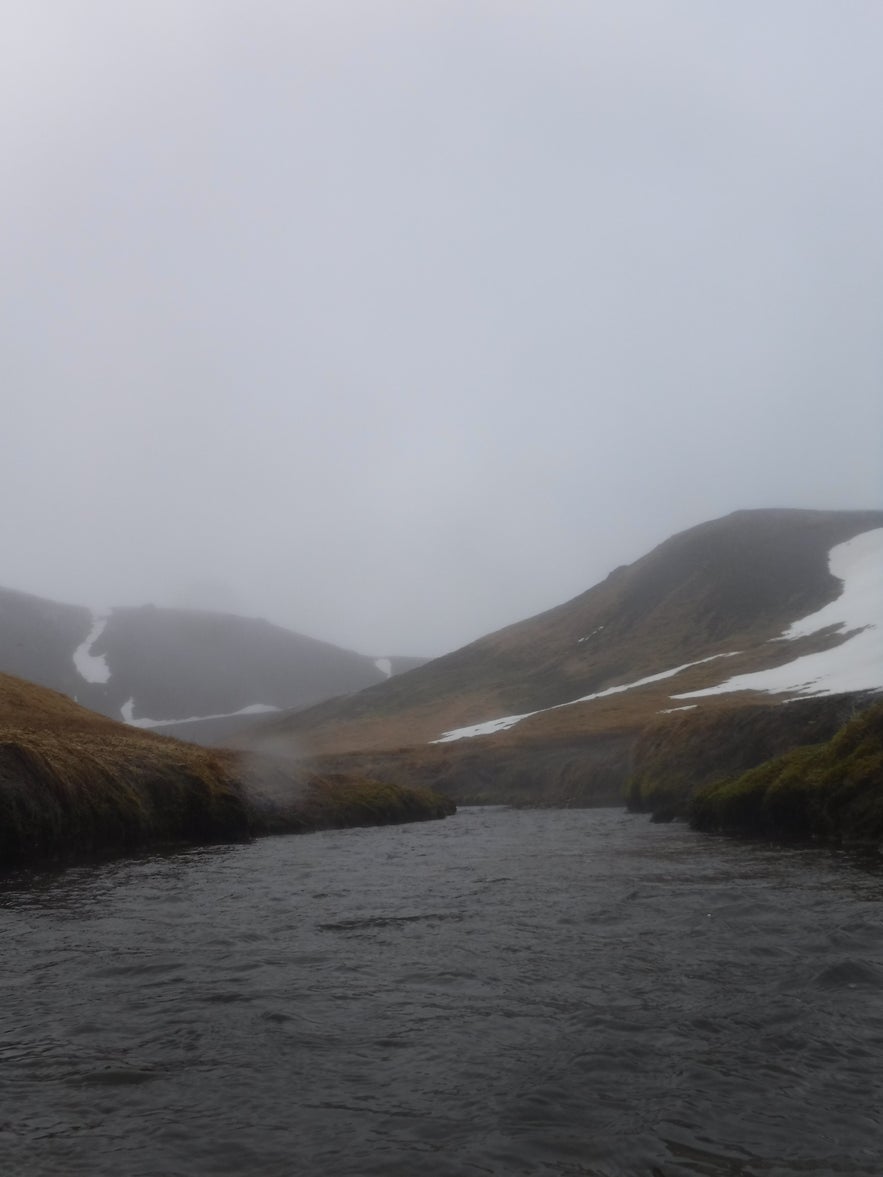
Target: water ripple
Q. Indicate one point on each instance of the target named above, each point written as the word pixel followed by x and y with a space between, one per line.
pixel 504 993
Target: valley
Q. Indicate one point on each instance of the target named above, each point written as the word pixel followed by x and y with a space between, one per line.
pixel 725 647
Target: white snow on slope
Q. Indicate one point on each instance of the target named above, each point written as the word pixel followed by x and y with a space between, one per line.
pixel 384 666
pixel 854 665
pixel 92 667
pixel 128 708
pixel 482 729
pixel 507 721
pixel 589 635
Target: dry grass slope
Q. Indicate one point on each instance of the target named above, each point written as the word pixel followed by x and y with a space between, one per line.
pixel 728 585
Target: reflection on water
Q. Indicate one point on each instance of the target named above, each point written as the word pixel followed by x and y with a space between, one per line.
pixel 507 992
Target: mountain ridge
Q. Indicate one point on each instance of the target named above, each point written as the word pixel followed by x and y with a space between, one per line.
pixel 582 680
pixel 684 600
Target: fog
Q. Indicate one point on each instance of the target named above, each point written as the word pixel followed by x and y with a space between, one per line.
pixel 395 321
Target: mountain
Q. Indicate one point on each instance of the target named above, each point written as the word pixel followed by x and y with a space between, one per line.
pixel 180 671
pixel 554 708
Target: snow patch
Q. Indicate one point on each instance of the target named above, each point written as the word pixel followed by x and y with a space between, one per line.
pixel 589 635
pixel 857 663
pixel 507 721
pixel 483 729
pixel 686 707
pixel 92 667
pixel 128 708
pixel 384 666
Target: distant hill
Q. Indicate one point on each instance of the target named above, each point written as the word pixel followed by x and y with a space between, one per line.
pixel 159 667
pixel 550 709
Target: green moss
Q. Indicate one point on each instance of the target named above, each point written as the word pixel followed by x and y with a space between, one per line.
pixel 830 790
pixel 678 755
pixel 337 801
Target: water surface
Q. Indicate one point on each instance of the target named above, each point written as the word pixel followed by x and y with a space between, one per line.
pixel 505 992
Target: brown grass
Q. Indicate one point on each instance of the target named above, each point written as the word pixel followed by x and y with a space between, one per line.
pixel 73 783
pixel 731 584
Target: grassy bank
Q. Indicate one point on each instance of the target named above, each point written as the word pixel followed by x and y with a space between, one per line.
pixel 336 802
pixel 679 754
pixel 832 790
pixel 74 784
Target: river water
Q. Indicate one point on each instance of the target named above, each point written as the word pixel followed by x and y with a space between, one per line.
pixel 505 992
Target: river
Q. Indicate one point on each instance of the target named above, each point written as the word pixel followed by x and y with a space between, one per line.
pixel 506 992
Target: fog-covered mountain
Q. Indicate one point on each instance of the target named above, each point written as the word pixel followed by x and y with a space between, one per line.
pixel 195 673
pixel 730 618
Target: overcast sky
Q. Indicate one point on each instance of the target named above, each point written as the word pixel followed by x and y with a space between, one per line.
pixel 395 321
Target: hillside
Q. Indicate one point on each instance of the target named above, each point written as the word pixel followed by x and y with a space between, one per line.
pixel 550 709
pixel 160 668
pixel 74 783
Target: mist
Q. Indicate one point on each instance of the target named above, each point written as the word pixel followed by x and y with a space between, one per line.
pixel 395 323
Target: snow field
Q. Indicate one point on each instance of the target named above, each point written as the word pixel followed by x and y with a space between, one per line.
pixel 857 663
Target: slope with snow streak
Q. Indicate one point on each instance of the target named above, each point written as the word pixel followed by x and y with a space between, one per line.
pixel 507 721
pixel 128 713
pixel 857 663
pixel 92 667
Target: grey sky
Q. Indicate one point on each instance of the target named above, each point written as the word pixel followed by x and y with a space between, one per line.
pixel 395 322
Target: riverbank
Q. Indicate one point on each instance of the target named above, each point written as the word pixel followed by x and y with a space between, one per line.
pixel 678 755
pixel 74 784
pixel 831 791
